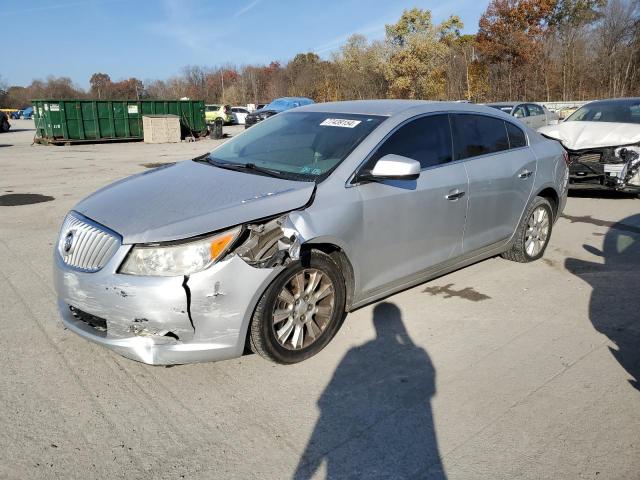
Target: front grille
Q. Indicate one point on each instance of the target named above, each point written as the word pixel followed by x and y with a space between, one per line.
pixel 590 157
pixel 84 245
pixel 98 323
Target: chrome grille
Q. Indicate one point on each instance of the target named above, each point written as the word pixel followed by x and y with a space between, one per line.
pixel 85 245
pixel 590 157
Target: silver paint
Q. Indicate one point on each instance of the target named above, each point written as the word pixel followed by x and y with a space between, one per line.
pixel 393 234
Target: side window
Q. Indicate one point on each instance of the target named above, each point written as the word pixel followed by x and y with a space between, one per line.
pixel 535 109
pixel 517 138
pixel 520 112
pixel 426 139
pixel 479 135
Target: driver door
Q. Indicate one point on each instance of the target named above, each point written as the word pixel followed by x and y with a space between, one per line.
pixel 412 225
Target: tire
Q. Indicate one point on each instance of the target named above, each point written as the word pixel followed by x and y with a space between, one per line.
pixel 5 126
pixel 521 250
pixel 318 328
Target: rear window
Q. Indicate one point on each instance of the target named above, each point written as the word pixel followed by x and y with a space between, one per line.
pixel 478 135
pixel 517 138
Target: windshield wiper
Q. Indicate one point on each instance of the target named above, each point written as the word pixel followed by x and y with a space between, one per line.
pixel 243 167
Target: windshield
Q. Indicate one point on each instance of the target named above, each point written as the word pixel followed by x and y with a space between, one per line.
pixel 299 145
pixel 615 111
pixel 212 108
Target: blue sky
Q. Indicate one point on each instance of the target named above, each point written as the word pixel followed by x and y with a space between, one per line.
pixel 152 39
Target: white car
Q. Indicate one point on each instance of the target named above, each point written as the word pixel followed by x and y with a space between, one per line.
pixel 533 115
pixel 239 115
pixel 603 142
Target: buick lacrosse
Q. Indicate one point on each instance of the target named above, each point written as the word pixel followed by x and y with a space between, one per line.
pixel 269 240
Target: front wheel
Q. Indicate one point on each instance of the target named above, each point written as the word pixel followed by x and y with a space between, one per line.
pixel 300 312
pixel 533 234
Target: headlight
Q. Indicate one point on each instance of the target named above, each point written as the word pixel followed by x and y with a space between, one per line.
pixel 177 259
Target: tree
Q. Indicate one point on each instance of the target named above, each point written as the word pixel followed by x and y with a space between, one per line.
pixel 359 70
pixel 418 52
pixel 510 38
pixel 100 83
pixel 3 91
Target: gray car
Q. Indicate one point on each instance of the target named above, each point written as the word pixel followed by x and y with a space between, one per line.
pixel 271 238
pixel 533 115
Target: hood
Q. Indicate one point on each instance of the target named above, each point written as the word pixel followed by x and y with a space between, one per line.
pixel 187 199
pixel 581 135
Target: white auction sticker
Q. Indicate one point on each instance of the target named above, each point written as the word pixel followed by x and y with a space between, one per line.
pixel 54 107
pixel 132 108
pixel 340 122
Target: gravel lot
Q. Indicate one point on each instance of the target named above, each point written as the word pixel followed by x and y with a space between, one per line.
pixel 497 371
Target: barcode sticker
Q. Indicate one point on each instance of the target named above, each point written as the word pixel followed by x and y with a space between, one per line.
pixel 339 122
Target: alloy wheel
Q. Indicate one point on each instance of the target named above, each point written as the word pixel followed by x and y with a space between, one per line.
pixel 303 309
pixel 537 231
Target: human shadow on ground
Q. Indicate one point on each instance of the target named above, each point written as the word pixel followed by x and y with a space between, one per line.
pixel 375 415
pixel 614 307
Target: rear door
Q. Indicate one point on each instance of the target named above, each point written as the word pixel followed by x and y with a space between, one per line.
pixel 536 115
pixel 501 170
pixel 411 225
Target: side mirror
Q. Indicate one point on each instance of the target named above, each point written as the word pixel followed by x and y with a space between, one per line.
pixel 393 167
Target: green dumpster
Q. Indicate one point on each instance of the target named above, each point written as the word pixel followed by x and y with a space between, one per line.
pixel 74 121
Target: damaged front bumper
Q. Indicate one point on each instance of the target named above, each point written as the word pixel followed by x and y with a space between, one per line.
pixel 615 168
pixel 163 320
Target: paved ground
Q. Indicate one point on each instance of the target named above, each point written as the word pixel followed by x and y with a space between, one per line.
pixel 497 371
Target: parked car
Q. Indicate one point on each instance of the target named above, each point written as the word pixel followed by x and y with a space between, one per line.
pixel 532 114
pixel 27 113
pixel 212 112
pixel 277 106
pixel 4 122
pixel 239 114
pixel 274 235
pixel 24 113
pixel 603 141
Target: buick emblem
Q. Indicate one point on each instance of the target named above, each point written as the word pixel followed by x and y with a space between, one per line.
pixel 68 242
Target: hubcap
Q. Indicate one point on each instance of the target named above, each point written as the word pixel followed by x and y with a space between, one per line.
pixel 303 309
pixel 537 231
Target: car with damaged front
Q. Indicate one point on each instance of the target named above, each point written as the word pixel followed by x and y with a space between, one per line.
pixel 270 239
pixel 602 139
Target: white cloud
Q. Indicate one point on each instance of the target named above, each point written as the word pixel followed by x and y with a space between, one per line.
pixel 246 8
pixel 369 31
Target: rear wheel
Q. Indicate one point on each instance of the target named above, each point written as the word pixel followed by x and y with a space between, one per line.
pixel 300 312
pixel 533 234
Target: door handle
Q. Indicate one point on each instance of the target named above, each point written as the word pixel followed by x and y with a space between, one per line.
pixel 525 174
pixel 454 195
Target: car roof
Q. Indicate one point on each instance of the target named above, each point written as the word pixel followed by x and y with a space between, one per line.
pixel 390 108
pixel 504 104
pixel 615 100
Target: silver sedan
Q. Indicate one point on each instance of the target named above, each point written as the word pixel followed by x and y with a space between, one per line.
pixel 271 238
pixel 533 115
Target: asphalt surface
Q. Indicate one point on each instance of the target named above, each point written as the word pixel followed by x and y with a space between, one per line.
pixel 497 371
